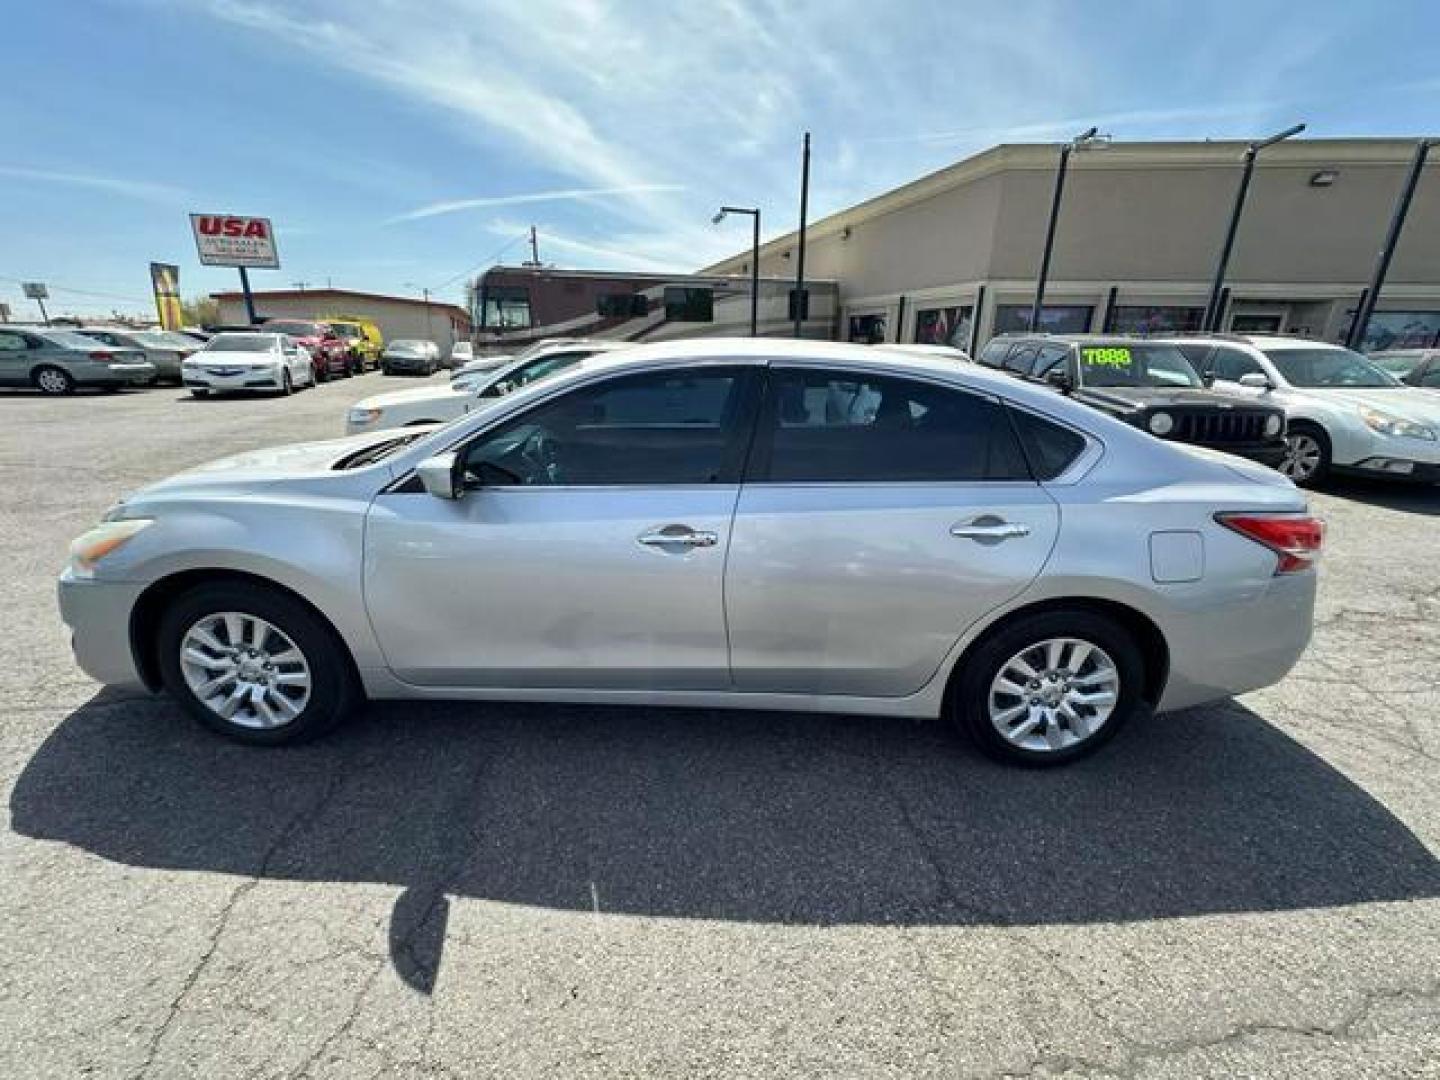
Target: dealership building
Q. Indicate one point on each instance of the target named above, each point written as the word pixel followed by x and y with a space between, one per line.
pixel 954 256
pixel 396 316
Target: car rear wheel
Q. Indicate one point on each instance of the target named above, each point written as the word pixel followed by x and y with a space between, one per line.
pixel 254 664
pixel 1307 455
pixel 287 384
pixel 1049 688
pixel 53 380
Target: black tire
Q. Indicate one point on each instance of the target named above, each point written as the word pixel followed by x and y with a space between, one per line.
pixel 287 384
pixel 385 370
pixel 197 392
pixel 49 379
pixel 334 690
pixel 969 705
pixel 1304 434
pixel 322 374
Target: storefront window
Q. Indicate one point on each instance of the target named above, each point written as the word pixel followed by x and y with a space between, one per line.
pixel 867 329
pixel 943 326
pixel 1398 330
pixel 1054 318
pixel 1142 319
pixel 686 304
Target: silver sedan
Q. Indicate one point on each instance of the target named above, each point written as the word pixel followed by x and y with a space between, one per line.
pixel 753 524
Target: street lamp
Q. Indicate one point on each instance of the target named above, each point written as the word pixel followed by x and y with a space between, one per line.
pixel 1356 336
pixel 1089 137
pixel 754 212
pixel 423 291
pixel 1211 319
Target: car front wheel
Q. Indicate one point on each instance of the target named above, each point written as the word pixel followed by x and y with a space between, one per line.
pixel 1049 688
pixel 1307 455
pixel 254 664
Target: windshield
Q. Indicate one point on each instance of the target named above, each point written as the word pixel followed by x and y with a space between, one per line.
pixel 346 331
pixel 407 346
pixel 295 328
pixel 1333 368
pixel 1136 365
pixel 1397 364
pixel 523 373
pixel 241 343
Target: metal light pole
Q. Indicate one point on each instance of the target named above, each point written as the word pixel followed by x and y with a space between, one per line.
pixel 1382 265
pixel 1083 139
pixel 801 307
pixel 754 212
pixel 1213 306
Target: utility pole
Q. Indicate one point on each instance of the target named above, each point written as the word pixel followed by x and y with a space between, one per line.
pixel 1036 309
pixel 801 307
pixel 300 285
pixel 534 249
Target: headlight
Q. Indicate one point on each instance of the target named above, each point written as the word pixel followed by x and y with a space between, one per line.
pixel 101 541
pixel 1162 423
pixel 1386 424
pixel 362 417
pixel 1274 424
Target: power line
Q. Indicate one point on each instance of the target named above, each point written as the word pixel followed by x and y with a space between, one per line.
pixel 80 292
pixel 487 261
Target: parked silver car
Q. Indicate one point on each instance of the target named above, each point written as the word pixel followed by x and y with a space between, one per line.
pixel 410 355
pixel 745 523
pixel 60 361
pixel 166 350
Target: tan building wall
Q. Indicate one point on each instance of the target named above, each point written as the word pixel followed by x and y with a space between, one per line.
pixel 397 317
pixel 1146 219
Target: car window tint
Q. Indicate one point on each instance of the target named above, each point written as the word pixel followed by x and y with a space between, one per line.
pixel 1198 355
pixel 993 355
pixel 11 342
pixel 1049 447
pixel 1051 358
pixel 1230 364
pixel 1022 359
pixel 659 428
pixel 1431 377
pixel 828 426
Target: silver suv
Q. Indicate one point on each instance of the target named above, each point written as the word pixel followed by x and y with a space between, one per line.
pixel 725 523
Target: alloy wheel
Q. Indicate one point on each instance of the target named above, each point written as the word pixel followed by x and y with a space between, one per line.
pixel 1054 694
pixel 245 670
pixel 53 381
pixel 1303 455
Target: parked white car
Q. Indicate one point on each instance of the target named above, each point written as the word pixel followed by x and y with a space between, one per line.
pixel 248 361
pixel 932 352
pixel 461 353
pixel 441 404
pixel 437 404
pixel 1344 413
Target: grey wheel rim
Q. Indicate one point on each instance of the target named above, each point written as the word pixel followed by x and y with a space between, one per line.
pixel 52 382
pixel 1303 456
pixel 246 671
pixel 1054 694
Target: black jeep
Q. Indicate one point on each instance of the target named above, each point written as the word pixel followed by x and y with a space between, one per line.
pixel 1147 384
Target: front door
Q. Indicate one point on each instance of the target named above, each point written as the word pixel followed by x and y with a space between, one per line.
pixel 589 550
pixel 881 517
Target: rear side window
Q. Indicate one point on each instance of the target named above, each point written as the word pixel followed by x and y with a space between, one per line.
pixel 1230 364
pixel 826 427
pixel 993 355
pixel 1052 358
pixel 1050 448
pixel 1022 359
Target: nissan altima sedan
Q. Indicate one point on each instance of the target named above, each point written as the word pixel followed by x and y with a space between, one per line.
pixel 725 523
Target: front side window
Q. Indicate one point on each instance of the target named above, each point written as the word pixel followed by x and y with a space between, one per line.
pixel 1335 367
pixel 1022 360
pixel 826 426
pixel 526 373
pixel 993 354
pixel 1231 364
pixel 659 428
pixel 11 342
pixel 1431 377
pixel 1051 358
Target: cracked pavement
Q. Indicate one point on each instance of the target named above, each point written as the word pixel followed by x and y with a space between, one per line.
pixel 1249 889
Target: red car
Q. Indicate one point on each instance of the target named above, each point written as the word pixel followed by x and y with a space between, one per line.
pixel 329 352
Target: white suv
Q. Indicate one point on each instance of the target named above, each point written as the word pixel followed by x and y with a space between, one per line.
pixel 1344 413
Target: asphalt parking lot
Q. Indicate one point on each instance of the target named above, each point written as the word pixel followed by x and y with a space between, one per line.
pixel 1249 889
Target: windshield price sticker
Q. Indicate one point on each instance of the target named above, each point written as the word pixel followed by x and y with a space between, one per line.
pixel 1107 357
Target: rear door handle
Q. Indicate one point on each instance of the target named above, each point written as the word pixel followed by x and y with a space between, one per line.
pixel 678 536
pixel 989 528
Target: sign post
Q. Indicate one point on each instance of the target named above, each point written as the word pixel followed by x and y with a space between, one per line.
pixel 233 240
pixel 36 290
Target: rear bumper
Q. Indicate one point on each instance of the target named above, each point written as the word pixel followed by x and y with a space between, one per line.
pixel 134 374
pixel 98 615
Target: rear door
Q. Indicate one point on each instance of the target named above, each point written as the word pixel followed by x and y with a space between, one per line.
pixel 14 359
pixel 881 516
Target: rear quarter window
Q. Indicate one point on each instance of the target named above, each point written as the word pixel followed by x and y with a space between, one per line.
pixel 993 355
pixel 1049 448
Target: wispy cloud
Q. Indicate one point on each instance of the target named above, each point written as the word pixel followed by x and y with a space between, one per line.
pixel 115 185
pixel 570 195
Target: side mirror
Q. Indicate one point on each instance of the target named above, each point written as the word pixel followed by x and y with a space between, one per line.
pixel 441 476
pixel 1208 379
pixel 1060 379
pixel 1256 381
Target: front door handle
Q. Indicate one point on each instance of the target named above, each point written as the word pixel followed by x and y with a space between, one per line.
pixel 678 536
pixel 989 528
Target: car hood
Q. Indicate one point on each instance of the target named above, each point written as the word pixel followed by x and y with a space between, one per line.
pixel 232 359
pixel 1406 402
pixel 415 396
pixel 1160 397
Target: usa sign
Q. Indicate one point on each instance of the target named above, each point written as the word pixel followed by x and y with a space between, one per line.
pixel 231 240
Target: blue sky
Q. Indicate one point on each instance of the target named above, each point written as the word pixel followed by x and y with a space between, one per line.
pixel 401 145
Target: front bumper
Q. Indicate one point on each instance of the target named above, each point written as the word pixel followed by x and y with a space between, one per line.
pixel 407 363
pixel 222 378
pixel 1384 467
pixel 98 615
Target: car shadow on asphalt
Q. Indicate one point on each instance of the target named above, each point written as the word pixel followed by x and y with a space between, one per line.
pixel 709 814
pixel 1409 498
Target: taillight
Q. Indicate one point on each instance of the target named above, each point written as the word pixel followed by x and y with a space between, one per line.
pixel 106 357
pixel 1296 539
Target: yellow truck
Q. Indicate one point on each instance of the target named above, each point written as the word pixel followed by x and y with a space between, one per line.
pixel 363 338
